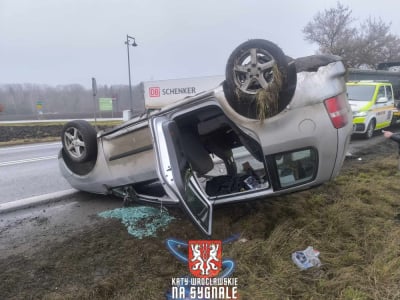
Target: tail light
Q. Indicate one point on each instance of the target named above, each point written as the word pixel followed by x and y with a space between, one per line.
pixel 337 110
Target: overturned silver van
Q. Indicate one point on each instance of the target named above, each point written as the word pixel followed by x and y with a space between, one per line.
pixel 275 125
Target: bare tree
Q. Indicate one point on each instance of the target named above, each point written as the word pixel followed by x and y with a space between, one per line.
pixel 366 46
pixel 331 30
pixel 375 44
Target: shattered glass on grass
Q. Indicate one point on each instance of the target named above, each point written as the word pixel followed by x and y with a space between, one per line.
pixel 141 221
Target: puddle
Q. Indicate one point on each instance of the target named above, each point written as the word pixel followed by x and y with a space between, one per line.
pixel 141 221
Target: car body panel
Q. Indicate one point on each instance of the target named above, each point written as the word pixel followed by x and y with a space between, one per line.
pixel 152 150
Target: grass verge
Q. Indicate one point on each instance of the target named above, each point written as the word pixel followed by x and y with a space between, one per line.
pixel 58 123
pixel 36 132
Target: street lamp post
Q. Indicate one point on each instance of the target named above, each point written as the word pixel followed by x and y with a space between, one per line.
pixel 130 41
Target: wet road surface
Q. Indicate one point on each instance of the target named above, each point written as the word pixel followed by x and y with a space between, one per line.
pixel 30 170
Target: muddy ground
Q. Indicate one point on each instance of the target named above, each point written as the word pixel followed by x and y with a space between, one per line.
pixel 65 251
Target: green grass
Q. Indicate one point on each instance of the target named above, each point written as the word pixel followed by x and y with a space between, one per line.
pixel 351 221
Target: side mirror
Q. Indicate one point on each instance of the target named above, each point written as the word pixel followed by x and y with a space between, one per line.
pixel 382 100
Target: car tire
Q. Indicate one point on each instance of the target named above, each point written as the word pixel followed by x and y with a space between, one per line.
pixel 260 79
pixel 79 141
pixel 370 129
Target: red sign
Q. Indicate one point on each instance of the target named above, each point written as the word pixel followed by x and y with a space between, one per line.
pixel 205 258
pixel 154 92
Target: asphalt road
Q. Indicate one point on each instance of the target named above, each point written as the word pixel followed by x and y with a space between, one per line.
pixel 358 143
pixel 30 170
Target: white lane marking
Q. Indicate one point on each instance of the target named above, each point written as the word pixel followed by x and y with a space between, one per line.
pixel 28 160
pixel 45 145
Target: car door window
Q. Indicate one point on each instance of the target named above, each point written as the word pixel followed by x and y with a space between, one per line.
pixel 197 206
pixel 296 167
pixel 389 93
pixel 381 93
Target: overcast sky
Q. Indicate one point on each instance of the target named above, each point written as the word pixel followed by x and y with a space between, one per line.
pixel 70 41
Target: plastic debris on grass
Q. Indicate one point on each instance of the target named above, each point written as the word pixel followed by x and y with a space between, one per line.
pixel 307 258
pixel 141 221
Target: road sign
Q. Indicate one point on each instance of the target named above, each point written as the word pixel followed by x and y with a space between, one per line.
pixel 105 104
pixel 39 105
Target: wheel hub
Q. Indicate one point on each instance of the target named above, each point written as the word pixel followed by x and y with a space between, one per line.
pixel 254 71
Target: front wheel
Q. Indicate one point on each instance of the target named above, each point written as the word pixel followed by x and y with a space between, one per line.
pixel 370 129
pixel 79 141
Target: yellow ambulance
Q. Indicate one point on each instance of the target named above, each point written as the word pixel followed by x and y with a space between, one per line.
pixel 372 104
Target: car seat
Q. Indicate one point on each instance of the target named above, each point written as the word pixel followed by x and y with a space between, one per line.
pixel 198 157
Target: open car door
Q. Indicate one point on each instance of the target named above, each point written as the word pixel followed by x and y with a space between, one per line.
pixel 176 175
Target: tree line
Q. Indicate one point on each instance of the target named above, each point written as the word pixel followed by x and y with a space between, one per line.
pixel 33 99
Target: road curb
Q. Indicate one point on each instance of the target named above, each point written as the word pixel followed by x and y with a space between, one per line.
pixel 35 201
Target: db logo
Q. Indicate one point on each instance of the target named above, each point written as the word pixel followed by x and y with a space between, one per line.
pixel 154 92
pixel 205 258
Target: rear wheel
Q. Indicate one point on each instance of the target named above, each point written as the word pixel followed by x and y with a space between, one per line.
pixel 257 79
pixel 79 141
pixel 370 129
